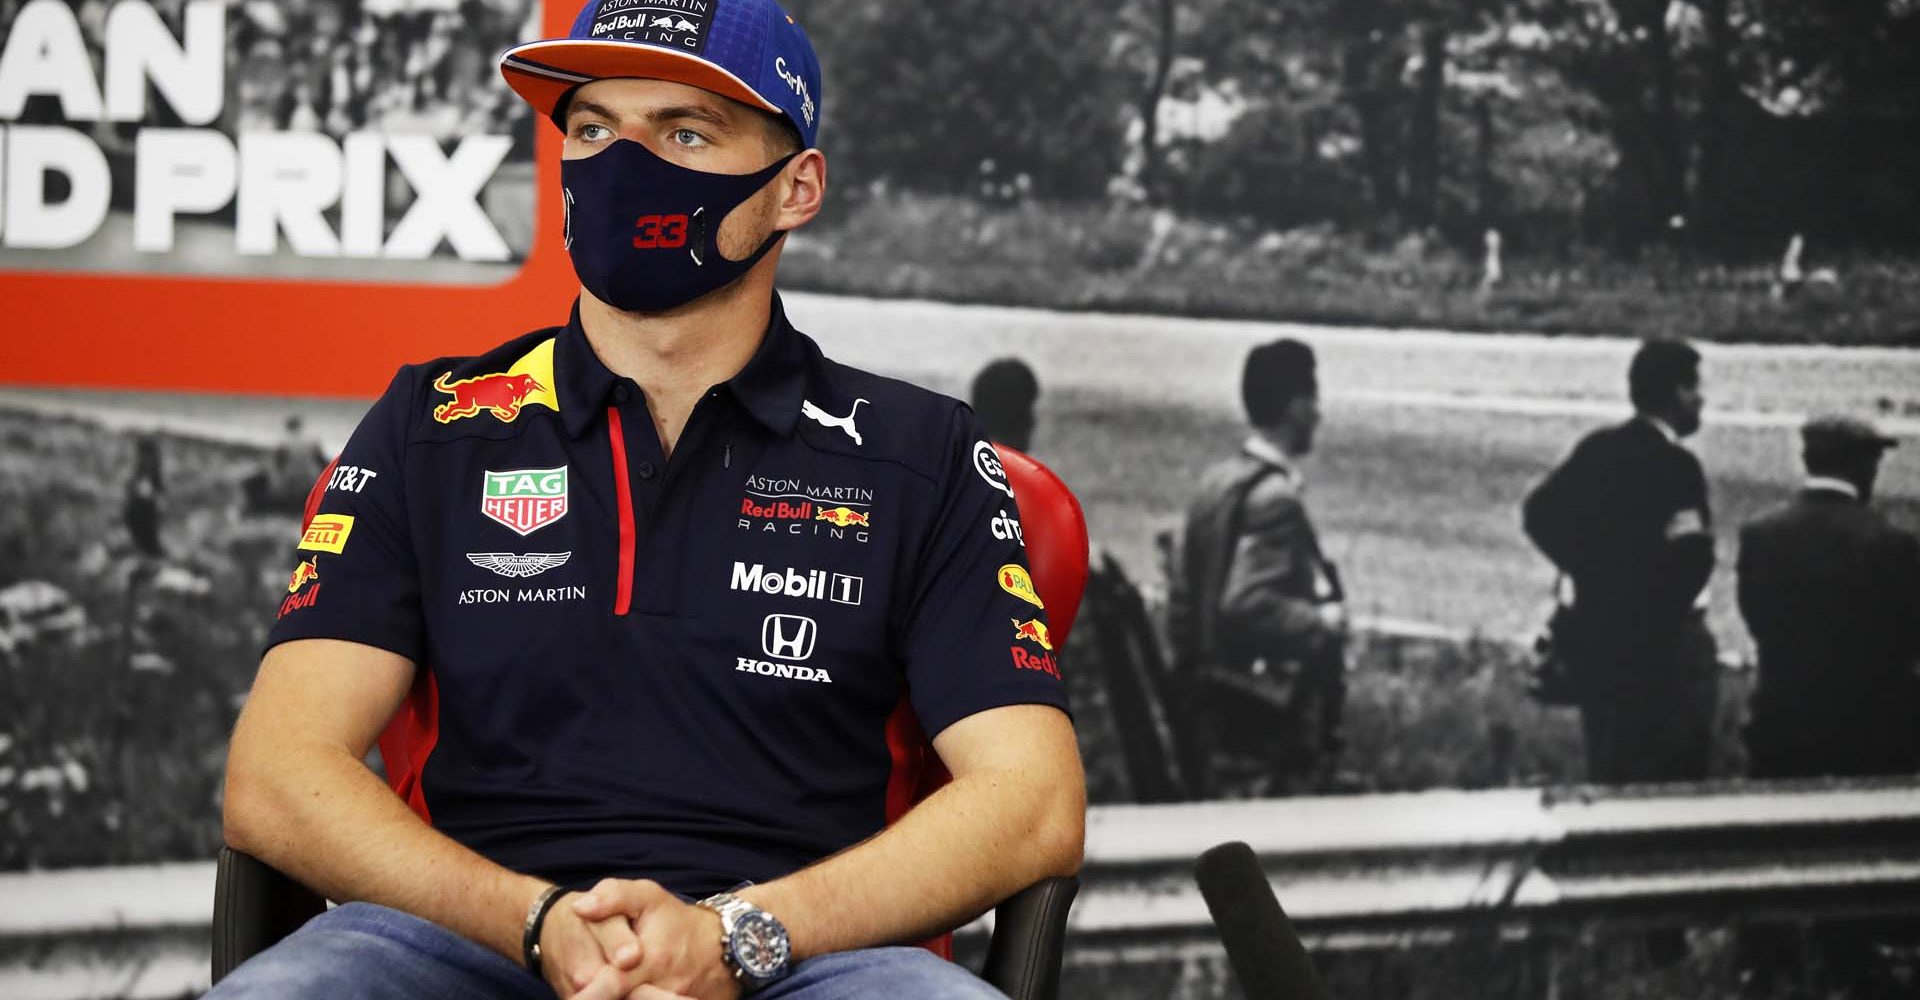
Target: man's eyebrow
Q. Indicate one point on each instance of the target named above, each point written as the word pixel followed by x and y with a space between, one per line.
pixel 697 112
pixel 589 107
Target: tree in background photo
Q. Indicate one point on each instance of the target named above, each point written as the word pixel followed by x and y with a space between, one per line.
pixel 1644 164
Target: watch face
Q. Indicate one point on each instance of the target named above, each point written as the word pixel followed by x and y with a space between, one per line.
pixel 760 945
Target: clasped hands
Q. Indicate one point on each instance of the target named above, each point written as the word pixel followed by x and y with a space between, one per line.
pixel 633 940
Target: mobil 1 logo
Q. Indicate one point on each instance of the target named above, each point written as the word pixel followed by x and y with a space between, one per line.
pixel 675 24
pixel 812 585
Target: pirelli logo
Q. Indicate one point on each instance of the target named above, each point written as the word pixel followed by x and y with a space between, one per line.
pixel 327 533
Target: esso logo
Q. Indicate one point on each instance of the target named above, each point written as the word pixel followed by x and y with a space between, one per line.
pixel 660 232
pixel 986 461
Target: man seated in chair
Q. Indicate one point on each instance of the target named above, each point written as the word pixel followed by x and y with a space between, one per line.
pixel 664 605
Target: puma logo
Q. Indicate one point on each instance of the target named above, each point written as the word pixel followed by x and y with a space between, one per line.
pixel 826 419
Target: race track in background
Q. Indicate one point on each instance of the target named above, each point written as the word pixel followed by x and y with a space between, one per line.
pixel 1431 437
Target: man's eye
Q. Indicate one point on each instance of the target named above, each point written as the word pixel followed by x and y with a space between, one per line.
pixel 688 137
pixel 592 131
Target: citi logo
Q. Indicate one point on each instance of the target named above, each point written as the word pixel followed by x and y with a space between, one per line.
pixel 788 637
pixel 816 584
pixel 1007 529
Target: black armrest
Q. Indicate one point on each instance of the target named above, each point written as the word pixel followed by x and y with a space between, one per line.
pixel 1029 940
pixel 254 905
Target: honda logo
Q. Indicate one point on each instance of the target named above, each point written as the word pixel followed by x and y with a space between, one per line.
pixel 788 637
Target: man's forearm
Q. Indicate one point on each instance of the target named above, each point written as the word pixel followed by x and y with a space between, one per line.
pixel 319 815
pixel 973 843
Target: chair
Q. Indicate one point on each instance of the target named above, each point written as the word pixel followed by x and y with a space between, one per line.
pixel 256 905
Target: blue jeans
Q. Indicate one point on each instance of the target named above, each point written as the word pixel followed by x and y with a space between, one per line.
pixel 365 952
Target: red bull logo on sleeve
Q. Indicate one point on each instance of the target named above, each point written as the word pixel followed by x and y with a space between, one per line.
pixel 1015 580
pixel 844 517
pixel 1043 662
pixel 306 572
pixel 299 595
pixel 327 533
pixel 503 394
pixel 1033 630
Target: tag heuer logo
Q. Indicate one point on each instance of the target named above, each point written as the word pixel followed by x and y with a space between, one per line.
pixel 525 500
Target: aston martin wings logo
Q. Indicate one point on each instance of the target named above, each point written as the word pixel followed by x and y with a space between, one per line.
pixel 518 566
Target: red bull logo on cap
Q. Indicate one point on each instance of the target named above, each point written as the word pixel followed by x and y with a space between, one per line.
pixel 503 394
pixel 1033 630
pixel 844 517
pixel 677 24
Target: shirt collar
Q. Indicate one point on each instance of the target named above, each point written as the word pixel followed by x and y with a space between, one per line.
pixel 769 387
pixel 1661 426
pixel 775 378
pixel 1828 484
pixel 584 381
pixel 1270 453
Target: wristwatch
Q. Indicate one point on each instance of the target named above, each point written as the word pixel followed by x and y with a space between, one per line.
pixel 753 942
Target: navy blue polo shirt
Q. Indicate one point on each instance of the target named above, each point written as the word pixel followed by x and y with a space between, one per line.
pixel 700 669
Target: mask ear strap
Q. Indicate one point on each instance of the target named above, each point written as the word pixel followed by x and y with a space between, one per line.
pixel 698 241
pixel 776 166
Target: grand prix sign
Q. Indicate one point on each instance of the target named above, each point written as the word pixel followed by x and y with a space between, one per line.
pixel 151 237
pixel 279 184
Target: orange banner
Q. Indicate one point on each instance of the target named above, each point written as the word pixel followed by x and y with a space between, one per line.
pixel 277 336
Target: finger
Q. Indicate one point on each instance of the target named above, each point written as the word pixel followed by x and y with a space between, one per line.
pixel 611 896
pixel 605 985
pixel 648 991
pixel 617 941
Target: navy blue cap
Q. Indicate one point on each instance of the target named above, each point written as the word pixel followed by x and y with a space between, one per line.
pixel 748 50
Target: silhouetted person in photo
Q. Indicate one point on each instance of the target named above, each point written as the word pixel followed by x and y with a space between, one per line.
pixel 1003 396
pixel 1256 613
pixel 1830 591
pixel 1626 518
pixel 141 509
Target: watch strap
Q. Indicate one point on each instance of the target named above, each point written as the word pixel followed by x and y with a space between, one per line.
pixel 730 909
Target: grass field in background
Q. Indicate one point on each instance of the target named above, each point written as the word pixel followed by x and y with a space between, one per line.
pixel 1119 258
pixel 1419 506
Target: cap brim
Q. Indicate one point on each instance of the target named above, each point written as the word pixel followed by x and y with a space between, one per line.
pixel 542 72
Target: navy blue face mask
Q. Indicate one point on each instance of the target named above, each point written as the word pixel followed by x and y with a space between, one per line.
pixel 643 233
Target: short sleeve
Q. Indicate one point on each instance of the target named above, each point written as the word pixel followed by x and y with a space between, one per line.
pixel 976 634
pixel 353 573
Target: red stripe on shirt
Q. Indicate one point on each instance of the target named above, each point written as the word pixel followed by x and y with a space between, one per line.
pixel 623 587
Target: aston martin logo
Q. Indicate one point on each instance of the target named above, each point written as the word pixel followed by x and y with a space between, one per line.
pixel 518 566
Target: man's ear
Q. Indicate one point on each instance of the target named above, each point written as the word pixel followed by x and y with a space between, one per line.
pixel 806 190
